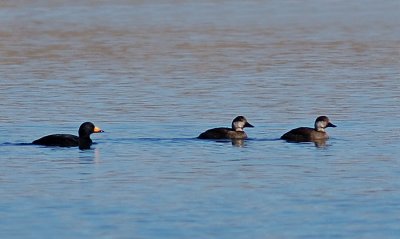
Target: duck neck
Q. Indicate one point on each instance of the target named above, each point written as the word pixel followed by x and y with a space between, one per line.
pixel 85 142
pixel 319 129
pixel 319 126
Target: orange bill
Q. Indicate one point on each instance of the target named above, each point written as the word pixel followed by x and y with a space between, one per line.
pixel 97 130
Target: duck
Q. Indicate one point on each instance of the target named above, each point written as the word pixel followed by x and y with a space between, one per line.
pixel 83 141
pixel 306 134
pixel 235 132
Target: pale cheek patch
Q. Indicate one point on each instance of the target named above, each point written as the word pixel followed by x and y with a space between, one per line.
pixel 239 126
pixel 320 125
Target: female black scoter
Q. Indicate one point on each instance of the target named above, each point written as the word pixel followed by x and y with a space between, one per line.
pixel 236 132
pixel 304 134
pixel 69 140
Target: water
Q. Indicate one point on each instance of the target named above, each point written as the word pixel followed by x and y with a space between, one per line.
pixel 155 74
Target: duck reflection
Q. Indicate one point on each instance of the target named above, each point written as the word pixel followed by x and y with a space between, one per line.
pixel 92 156
pixel 238 142
pixel 234 142
pixel 319 143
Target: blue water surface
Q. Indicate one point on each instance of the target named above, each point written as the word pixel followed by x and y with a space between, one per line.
pixel 155 74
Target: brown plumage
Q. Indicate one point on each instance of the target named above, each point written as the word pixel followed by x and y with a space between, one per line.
pixel 310 134
pixel 236 132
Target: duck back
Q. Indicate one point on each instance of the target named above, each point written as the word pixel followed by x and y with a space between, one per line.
pixel 222 133
pixel 216 133
pixel 61 140
pixel 304 134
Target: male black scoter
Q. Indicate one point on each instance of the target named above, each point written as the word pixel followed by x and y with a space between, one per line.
pixel 69 140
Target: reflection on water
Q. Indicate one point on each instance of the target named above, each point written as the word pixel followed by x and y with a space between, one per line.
pixel 155 74
pixel 234 142
pixel 319 143
pixel 92 156
pixel 238 142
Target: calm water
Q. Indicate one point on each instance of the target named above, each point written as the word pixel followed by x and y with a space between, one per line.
pixel 154 74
